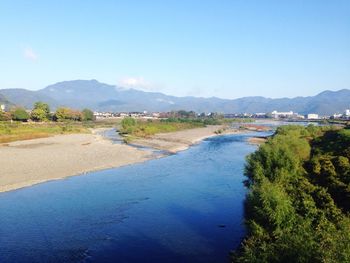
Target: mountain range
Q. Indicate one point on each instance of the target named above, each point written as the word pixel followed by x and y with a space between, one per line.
pixel 5 101
pixel 103 97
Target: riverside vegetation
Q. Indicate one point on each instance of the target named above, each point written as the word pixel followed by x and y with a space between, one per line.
pixel 17 131
pixel 14 124
pixel 41 112
pixel 136 128
pixel 298 203
pixel 177 120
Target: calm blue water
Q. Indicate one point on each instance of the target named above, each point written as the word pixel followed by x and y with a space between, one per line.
pixel 186 207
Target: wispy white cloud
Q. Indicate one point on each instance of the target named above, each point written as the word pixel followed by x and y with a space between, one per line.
pixel 137 83
pixel 165 101
pixel 30 54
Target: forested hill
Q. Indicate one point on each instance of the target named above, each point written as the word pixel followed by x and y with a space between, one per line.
pixel 297 208
pixel 4 100
pixel 95 95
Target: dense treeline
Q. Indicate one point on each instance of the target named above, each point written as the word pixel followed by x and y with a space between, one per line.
pixel 297 207
pixel 41 112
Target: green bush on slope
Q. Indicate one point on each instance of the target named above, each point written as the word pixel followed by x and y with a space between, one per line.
pixel 297 204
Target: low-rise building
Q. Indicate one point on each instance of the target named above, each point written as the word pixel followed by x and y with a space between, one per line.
pixel 260 115
pixel 277 115
pixel 312 116
pixel 103 115
pixel 337 116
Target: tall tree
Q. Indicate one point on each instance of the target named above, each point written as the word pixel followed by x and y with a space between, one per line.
pixel 40 112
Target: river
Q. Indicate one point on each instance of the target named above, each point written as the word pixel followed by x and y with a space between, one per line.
pixel 186 207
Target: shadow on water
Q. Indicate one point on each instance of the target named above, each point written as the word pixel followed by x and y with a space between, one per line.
pixel 138 248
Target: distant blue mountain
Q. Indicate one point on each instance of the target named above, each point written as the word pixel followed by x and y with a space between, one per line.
pixel 4 100
pixel 27 98
pixel 99 96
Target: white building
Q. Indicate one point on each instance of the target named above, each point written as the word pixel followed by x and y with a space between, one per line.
pixel 289 114
pixel 312 116
pixel 347 113
pixel 103 115
pixel 2 107
pixel 337 116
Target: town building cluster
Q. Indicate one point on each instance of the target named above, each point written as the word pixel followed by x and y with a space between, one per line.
pixel 291 115
pixel 117 115
pixel 274 114
pixel 345 115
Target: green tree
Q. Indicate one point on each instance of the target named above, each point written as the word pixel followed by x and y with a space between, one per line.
pixel 88 115
pixel 43 106
pixel 20 114
pixel 298 200
pixel 38 115
pixel 40 112
pixel 62 114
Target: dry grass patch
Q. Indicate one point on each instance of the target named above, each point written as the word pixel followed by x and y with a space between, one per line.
pixel 17 131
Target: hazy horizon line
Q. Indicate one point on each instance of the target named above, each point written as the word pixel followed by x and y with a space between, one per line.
pixel 167 94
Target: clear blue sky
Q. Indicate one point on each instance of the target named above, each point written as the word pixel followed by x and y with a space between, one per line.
pixel 220 48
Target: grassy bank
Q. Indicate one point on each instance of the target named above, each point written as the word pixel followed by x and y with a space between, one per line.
pixel 144 128
pixel 16 131
pixel 137 128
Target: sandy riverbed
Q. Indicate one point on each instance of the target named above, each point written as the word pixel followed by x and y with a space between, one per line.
pixel 181 140
pixel 257 140
pixel 24 163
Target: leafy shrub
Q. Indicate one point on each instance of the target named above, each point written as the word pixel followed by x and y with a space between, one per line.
pixel 87 115
pixel 5 116
pixel 38 115
pixel 64 114
pixel 20 114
